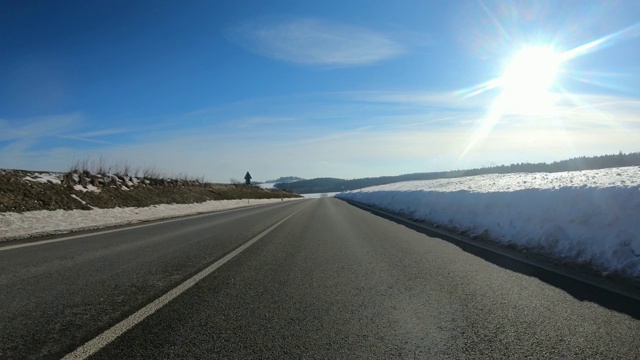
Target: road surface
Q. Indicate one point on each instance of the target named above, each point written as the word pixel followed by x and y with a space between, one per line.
pixel 309 279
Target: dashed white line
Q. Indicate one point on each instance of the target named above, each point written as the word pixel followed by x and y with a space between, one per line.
pixel 110 335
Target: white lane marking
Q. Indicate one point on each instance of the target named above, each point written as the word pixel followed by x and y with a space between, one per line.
pixel 557 269
pixel 120 328
pixel 35 243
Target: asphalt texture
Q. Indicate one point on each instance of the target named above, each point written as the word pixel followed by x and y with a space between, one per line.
pixel 333 281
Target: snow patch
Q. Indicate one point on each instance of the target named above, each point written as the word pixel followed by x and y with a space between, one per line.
pixel 266 185
pixel 77 198
pixel 583 216
pixel 20 225
pixel 319 195
pixel 45 178
pixel 89 188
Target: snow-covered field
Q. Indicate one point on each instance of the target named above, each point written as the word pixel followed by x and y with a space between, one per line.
pixel 590 217
pixel 319 195
pixel 20 225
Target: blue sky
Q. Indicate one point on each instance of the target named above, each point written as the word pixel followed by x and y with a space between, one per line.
pixel 316 88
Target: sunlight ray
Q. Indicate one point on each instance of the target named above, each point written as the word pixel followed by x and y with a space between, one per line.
pixel 478 89
pixel 605 41
pixel 526 82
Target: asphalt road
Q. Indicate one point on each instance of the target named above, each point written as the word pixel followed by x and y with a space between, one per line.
pixel 330 281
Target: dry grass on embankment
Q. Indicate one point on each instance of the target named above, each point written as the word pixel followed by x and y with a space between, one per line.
pixel 22 190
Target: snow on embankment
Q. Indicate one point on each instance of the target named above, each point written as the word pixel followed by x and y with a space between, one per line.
pixel 42 222
pixel 588 217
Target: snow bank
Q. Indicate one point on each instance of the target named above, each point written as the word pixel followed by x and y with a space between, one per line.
pixel 585 216
pixel 44 178
pixel 19 225
pixel 319 195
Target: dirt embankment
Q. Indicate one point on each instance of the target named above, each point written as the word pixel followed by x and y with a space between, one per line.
pixel 28 191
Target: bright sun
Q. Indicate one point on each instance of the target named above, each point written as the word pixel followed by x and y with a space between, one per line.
pixel 527 79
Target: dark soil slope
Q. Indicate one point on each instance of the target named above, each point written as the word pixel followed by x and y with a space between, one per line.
pixel 27 191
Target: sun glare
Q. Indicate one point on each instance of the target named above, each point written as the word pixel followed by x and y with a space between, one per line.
pixel 533 68
pixel 529 87
pixel 528 78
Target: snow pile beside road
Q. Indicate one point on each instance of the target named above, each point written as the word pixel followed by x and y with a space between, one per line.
pixel 590 217
pixel 45 178
pixel 20 225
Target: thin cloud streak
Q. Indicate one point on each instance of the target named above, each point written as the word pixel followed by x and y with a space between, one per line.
pixel 368 152
pixel 388 133
pixel 96 141
pixel 317 42
pixel 107 132
pixel 39 127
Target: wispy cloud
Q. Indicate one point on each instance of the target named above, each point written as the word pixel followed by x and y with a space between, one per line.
pixel 89 140
pixel 110 136
pixel 39 127
pixel 106 132
pixel 442 100
pixel 317 42
pixel 341 134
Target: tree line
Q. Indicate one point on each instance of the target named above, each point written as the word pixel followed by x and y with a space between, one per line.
pixel 322 185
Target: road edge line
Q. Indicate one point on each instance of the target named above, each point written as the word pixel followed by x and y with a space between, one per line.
pixel 108 336
pixel 100 230
pixel 577 275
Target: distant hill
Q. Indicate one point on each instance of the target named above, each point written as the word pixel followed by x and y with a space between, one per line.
pixel 326 185
pixel 312 186
pixel 284 179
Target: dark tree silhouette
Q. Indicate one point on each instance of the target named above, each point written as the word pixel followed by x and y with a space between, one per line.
pixel 322 185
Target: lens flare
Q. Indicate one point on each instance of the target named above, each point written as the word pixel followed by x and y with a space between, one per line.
pixel 530 82
pixel 531 70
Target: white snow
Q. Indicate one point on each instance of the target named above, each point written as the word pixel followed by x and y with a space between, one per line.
pixel 80 200
pixel 590 217
pixel 89 188
pixel 20 225
pixel 319 195
pixel 45 178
